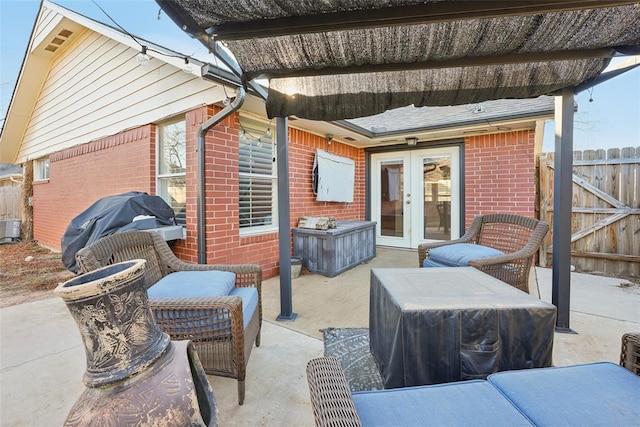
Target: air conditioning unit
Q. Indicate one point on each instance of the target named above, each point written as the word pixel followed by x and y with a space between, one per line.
pixel 9 229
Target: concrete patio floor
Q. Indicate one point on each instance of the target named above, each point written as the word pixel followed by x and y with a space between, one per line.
pixel 42 358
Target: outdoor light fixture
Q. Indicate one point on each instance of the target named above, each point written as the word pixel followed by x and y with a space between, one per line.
pixel 411 141
pixel 143 58
pixel 187 66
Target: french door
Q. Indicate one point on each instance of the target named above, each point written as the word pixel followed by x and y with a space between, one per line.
pixel 415 196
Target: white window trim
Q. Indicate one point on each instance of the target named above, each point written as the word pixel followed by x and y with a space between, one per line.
pixel 160 176
pixel 262 229
pixel 38 165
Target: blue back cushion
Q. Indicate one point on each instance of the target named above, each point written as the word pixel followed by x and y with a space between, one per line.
pixel 193 284
pixel 459 254
pixel 603 394
pixel 473 402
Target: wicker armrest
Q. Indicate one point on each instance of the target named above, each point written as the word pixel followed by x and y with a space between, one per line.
pixel 199 318
pixel 630 352
pixel 330 394
pixel 514 258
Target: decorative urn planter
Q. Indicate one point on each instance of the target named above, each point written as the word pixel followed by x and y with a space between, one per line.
pixel 135 374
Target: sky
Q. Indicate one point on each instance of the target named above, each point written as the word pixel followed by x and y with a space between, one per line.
pixel 610 120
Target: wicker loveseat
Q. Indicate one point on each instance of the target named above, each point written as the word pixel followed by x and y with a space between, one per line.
pixel 591 394
pixel 501 245
pixel 187 304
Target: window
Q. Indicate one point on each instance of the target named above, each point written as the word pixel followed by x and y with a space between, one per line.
pixel 258 180
pixel 41 169
pixel 172 157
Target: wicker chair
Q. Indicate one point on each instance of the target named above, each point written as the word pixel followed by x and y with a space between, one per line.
pixel 213 324
pixel 630 352
pixel 519 237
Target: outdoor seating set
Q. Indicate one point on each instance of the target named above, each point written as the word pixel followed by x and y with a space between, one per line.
pixel 462 314
pixel 591 394
pixel 455 346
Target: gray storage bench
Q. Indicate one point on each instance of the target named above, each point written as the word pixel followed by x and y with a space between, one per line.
pixel 330 252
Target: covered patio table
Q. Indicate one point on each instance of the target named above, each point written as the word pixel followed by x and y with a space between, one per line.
pixel 436 325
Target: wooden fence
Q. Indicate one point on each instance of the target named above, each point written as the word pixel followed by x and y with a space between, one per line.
pixel 11 197
pixel 605 221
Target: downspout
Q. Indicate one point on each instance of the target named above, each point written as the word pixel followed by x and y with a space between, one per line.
pixel 200 187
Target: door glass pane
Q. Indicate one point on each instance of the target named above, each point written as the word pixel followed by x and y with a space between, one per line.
pixel 436 175
pixel 391 198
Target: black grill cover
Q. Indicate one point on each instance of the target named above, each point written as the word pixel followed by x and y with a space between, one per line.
pixel 113 214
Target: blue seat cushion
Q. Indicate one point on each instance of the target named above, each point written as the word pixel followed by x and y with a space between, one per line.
pixel 249 297
pixel 193 284
pixel 459 254
pixel 473 402
pixel 210 283
pixel 603 394
pixel 431 263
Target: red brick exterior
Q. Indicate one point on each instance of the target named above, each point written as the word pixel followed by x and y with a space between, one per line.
pixel 499 178
pixel 81 175
pixel 500 174
pixel 225 244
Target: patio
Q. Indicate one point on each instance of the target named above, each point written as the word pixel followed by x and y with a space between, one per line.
pixel 42 359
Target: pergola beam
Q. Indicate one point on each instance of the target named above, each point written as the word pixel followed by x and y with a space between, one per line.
pixel 228 60
pixel 400 15
pixel 516 58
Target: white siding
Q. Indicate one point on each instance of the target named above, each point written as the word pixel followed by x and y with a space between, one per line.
pixel 47 21
pixel 96 88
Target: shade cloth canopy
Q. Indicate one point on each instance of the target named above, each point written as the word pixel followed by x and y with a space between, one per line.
pixel 337 59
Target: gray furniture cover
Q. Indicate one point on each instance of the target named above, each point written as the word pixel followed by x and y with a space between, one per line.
pixel 436 325
pixel 113 214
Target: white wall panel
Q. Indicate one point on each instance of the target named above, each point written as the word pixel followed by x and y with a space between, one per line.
pixel 97 89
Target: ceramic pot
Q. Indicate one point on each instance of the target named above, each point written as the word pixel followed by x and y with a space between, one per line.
pixel 135 375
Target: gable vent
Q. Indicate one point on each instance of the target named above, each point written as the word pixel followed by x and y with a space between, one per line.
pixel 58 40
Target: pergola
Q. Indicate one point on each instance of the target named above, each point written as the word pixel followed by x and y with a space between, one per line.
pixel 338 59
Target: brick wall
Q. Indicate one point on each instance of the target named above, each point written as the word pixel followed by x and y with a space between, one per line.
pixel 302 151
pixel 500 174
pixel 81 175
pixel 224 242
pixel 499 178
